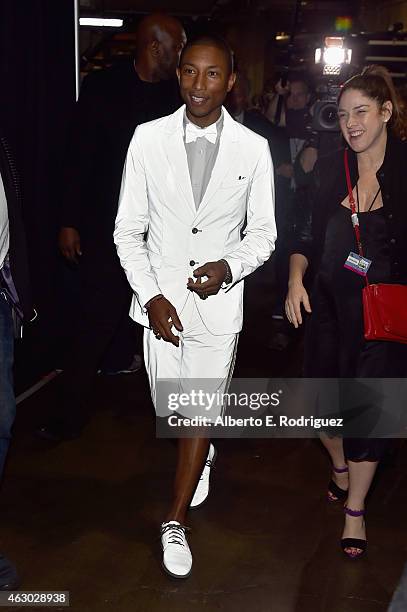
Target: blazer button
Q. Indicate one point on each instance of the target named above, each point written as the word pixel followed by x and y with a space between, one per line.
pixel 192 262
pixel 390 216
pixel 393 241
pixel 195 230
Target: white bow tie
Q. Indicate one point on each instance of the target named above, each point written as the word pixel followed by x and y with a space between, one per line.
pixel 192 132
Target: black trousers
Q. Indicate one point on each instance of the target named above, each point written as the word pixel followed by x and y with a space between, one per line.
pixel 335 348
pixel 103 322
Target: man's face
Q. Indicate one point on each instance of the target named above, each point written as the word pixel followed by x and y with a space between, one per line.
pixel 205 79
pixel 298 97
pixel 172 41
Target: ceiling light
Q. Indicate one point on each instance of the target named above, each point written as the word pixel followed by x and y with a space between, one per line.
pixel 100 22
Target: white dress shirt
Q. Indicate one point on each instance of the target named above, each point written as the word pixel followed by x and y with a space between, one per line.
pixel 4 228
pixel 201 155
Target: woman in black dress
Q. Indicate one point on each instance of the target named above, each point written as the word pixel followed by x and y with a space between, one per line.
pixel 373 124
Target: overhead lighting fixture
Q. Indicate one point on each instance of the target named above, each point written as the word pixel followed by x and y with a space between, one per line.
pixel 100 22
pixel 282 36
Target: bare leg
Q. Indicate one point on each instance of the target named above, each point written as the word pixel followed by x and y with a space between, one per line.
pixel 192 453
pixel 361 474
pixel 334 446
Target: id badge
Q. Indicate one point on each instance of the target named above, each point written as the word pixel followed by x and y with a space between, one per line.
pixel 357 264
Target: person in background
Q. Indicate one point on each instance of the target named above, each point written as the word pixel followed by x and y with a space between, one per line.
pixel 373 124
pixel 293 95
pixel 288 107
pixel 238 104
pixel 15 306
pixel 111 104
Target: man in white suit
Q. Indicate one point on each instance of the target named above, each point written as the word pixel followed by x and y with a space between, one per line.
pixel 192 180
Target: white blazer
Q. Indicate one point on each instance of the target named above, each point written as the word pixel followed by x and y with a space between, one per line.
pixel 161 237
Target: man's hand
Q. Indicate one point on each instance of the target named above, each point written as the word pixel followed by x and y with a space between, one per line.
pixel 69 243
pixel 286 170
pixel 215 271
pixel 162 316
pixel 281 89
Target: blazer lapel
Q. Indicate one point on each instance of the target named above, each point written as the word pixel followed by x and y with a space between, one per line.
pixel 228 150
pixel 177 158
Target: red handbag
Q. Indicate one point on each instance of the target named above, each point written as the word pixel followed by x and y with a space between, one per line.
pixel 384 305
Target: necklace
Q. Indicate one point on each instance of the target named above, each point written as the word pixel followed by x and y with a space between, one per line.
pixel 373 201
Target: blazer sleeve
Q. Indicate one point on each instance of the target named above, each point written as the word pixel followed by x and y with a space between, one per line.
pixel 260 233
pixel 131 225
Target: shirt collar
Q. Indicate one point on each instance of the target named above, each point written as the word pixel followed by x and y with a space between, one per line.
pixel 218 123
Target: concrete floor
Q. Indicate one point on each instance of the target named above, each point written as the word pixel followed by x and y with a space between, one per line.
pixel 83 516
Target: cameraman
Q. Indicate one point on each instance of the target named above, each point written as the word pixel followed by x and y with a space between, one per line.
pixel 291 108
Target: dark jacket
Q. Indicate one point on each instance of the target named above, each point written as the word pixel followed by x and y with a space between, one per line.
pixel 276 136
pixel 111 104
pixel 17 247
pixel 329 189
pixel 280 152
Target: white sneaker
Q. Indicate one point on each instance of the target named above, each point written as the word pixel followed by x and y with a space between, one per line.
pixel 177 557
pixel 202 488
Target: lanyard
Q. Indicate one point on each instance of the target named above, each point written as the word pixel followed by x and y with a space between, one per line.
pixel 354 215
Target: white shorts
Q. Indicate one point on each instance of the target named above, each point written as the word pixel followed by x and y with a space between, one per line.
pixel 201 360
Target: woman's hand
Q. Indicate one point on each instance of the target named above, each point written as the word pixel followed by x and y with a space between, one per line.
pixel 296 296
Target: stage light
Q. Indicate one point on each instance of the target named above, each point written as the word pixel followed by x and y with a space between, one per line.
pixel 333 55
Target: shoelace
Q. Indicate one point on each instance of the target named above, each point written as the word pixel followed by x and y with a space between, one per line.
pixel 178 534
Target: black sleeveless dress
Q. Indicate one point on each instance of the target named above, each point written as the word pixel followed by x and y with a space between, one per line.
pixel 335 344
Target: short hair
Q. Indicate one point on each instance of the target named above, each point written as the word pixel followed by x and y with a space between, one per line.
pixel 211 40
pixel 296 77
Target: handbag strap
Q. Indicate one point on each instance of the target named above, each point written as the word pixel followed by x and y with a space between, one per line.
pixel 354 215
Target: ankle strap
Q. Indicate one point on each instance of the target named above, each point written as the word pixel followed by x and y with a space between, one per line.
pixel 351 512
pixel 340 470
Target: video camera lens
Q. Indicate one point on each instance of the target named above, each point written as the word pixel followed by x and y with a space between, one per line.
pixel 328 116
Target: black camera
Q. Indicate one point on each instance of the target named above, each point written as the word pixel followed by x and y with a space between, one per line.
pixel 332 61
pixel 325 116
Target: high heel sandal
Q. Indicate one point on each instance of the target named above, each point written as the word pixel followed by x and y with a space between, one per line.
pixel 333 489
pixel 354 542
